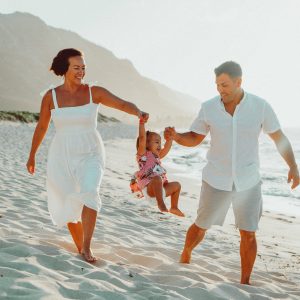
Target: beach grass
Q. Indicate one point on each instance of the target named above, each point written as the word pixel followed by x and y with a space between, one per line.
pixel 31 117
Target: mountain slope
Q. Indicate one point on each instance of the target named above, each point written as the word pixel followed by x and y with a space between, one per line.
pixel 27 47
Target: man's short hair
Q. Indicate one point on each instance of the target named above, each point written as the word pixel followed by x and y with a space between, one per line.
pixel 230 68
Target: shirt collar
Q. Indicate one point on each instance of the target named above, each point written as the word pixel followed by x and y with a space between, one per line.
pixel 240 104
pixel 243 99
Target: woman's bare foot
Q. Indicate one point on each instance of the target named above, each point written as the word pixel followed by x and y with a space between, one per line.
pixel 177 212
pixel 162 207
pixel 88 255
pixel 77 234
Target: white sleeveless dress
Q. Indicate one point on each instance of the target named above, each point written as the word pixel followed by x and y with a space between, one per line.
pixel 75 162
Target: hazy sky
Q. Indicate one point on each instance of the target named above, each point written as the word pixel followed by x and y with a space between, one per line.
pixel 180 42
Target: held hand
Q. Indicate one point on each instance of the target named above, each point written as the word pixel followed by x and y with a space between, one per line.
pixel 170 133
pixel 293 176
pixel 31 165
pixel 143 116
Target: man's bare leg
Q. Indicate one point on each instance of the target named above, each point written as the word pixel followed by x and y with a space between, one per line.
pixel 194 236
pixel 248 250
pixel 77 234
pixel 88 217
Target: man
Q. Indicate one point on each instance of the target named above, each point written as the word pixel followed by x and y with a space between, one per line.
pixel 234 120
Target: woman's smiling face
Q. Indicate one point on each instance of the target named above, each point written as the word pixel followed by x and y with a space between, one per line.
pixel 76 70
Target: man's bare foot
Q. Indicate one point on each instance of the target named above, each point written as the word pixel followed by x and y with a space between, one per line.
pixel 177 212
pixel 185 257
pixel 246 281
pixel 88 256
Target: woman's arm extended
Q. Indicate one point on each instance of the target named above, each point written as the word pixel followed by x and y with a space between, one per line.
pixel 103 96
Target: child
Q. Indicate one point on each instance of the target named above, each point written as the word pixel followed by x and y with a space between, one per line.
pixel 151 177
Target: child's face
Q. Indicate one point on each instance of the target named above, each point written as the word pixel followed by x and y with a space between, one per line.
pixel 154 143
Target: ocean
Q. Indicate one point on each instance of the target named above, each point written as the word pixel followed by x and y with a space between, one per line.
pixel 277 193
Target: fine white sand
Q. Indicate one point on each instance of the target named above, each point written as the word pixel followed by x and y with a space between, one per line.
pixel 138 247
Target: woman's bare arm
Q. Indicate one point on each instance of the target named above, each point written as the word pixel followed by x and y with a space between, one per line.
pixel 40 130
pixel 103 96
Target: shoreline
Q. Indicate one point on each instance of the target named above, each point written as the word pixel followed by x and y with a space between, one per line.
pixel 274 203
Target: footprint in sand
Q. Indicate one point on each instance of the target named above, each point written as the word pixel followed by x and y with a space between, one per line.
pixel 284 220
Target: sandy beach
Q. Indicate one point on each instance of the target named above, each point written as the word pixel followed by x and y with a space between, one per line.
pixel 138 247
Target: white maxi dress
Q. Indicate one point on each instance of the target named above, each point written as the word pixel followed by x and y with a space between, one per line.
pixel 75 163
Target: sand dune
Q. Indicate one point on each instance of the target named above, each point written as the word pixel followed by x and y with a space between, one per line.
pixel 138 246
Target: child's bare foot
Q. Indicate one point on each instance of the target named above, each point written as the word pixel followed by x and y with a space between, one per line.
pixel 88 256
pixel 177 212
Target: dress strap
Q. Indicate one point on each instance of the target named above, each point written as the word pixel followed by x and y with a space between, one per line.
pixel 54 98
pixel 90 91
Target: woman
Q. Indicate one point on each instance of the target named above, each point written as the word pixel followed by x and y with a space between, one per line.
pixel 76 155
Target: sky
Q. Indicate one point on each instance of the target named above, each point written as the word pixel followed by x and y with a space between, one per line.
pixel 180 42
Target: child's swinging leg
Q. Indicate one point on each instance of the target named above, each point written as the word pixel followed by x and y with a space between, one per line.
pixel 173 190
pixel 155 189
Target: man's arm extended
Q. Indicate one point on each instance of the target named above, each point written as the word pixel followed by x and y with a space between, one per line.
pixel 188 139
pixel 285 150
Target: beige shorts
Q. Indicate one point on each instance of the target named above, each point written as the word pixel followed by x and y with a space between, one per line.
pixel 214 205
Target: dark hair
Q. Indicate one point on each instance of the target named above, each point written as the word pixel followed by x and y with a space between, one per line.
pixel 147 136
pixel 60 63
pixel 230 68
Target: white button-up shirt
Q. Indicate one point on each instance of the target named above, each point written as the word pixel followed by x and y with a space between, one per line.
pixel 233 154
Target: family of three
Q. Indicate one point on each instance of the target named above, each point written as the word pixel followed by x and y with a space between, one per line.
pixel 76 158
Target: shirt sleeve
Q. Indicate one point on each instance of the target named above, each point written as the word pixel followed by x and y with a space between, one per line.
pixel 200 125
pixel 270 121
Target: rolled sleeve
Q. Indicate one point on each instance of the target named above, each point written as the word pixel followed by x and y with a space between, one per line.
pixel 270 122
pixel 200 125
